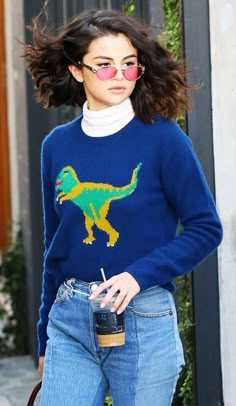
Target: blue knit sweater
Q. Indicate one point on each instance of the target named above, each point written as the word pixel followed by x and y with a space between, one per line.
pixel 115 202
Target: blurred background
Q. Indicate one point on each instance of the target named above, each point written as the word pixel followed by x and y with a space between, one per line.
pixel 204 34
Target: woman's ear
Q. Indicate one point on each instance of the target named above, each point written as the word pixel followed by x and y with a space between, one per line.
pixel 76 73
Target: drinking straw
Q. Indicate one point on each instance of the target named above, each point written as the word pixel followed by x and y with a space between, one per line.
pixel 103 276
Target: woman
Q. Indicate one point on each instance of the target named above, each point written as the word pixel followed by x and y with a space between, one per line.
pixel 116 182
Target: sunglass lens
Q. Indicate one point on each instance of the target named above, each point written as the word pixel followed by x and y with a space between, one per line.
pixel 109 72
pixel 133 72
pixel 106 73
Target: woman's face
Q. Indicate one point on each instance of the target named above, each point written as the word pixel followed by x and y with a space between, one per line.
pixel 114 50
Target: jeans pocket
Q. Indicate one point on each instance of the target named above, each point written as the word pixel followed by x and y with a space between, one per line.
pixel 154 302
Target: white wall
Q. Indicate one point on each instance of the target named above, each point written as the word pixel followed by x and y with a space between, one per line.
pixel 223 56
pixel 16 98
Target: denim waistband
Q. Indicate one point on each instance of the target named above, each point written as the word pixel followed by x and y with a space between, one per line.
pixel 85 288
pixel 80 286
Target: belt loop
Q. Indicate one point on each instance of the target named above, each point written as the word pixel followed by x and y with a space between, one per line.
pixel 70 286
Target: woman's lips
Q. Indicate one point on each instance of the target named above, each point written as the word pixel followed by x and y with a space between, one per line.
pixel 117 89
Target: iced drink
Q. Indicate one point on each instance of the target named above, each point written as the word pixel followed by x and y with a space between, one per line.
pixel 110 326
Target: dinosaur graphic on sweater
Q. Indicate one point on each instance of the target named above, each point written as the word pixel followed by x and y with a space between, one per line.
pixel 94 200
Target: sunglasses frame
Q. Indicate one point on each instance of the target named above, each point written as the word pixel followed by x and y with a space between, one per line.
pixel 122 70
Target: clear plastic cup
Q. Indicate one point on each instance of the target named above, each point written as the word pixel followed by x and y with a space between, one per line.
pixel 110 326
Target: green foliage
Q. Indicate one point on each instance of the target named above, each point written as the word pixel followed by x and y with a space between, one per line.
pixel 171 36
pixel 13 287
pixel 128 8
pixel 108 401
pixel 184 395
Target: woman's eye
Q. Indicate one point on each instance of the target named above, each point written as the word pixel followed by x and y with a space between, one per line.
pixel 101 65
pixel 130 63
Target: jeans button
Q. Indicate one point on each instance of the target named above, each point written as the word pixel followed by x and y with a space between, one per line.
pixel 94 286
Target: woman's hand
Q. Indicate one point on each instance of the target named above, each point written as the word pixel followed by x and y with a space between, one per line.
pixel 40 366
pixel 124 285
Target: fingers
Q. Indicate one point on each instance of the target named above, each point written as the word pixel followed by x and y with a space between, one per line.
pixel 121 303
pixel 40 366
pixel 122 285
pixel 103 286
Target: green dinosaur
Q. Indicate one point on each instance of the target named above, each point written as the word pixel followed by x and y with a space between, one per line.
pixel 93 199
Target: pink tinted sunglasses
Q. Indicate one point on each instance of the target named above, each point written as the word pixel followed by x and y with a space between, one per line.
pixel 132 72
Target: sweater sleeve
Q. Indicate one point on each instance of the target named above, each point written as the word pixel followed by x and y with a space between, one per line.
pixel 186 190
pixel 51 221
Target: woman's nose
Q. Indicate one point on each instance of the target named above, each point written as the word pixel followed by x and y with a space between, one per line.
pixel 119 74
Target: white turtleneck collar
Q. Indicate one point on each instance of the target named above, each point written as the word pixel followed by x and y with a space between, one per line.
pixel 107 121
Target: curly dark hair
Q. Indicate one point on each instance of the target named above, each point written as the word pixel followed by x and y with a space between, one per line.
pixel 161 90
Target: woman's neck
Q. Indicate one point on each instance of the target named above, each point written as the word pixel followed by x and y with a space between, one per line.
pixel 107 121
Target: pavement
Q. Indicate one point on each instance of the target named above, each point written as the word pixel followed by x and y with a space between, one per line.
pixel 18 375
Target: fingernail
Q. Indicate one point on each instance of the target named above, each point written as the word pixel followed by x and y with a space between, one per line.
pixel 91 297
pixel 102 305
pixel 113 309
pixel 119 312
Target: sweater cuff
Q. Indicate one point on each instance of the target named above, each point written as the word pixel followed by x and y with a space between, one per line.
pixel 42 339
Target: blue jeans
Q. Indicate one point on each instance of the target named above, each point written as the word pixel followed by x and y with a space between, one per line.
pixel 143 372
